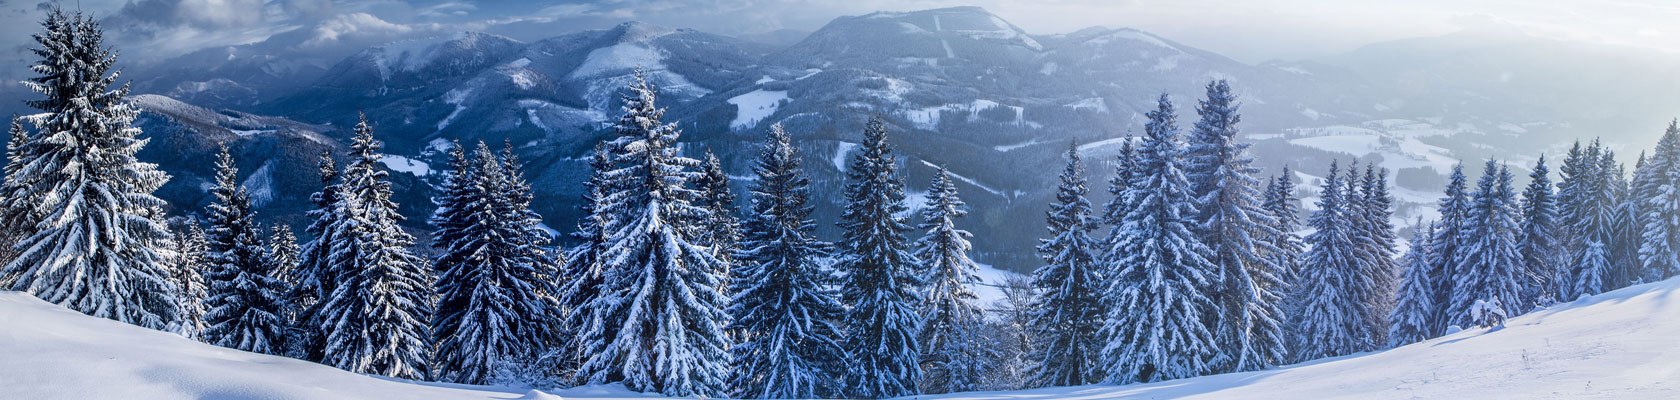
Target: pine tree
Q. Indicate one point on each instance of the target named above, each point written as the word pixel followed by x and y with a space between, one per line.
pixel 1158 300
pixel 1592 266
pixel 246 309
pixel 315 276
pixel 95 245
pixel 1066 319
pixel 661 286
pixel 283 252
pixel 17 215
pixel 1234 226
pixel 1625 228
pixel 375 319
pixel 1409 322
pixel 1329 319
pixel 784 306
pixel 189 267
pixel 1380 271
pixel 1280 202
pixel 1489 265
pixel 879 275
pixel 1125 167
pixel 1540 244
pixel 583 273
pixel 1586 196
pixel 1443 247
pixel 1656 196
pixel 494 308
pixel 953 353
pixel 720 229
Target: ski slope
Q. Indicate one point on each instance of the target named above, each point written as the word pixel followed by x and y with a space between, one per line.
pixel 1620 345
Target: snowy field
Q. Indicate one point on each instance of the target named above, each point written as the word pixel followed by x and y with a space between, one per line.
pixel 1620 345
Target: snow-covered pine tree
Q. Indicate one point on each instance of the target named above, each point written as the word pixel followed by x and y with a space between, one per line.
pixel 283 252
pixel 785 308
pixel 720 228
pixel 879 277
pixel 1067 314
pixel 1409 322
pixel 17 214
pixel 1012 362
pixel 1586 194
pixel 582 274
pixel 494 311
pixel 1656 196
pixel 1625 227
pixel 94 248
pixel 1281 203
pixel 661 286
pixel 1591 267
pixel 953 353
pixel 1235 229
pixel 189 267
pixel 1380 271
pixel 315 276
pixel 1489 266
pixel 1329 319
pixel 246 309
pixel 1159 299
pixel 375 319
pixel 1443 247
pixel 1125 167
pixel 1540 245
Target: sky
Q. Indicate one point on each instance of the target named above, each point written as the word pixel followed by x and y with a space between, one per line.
pixel 1250 31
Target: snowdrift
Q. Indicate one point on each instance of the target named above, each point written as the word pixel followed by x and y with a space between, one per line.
pixel 49 352
pixel 1620 345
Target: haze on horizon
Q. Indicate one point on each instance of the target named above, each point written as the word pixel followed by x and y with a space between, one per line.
pixel 1252 32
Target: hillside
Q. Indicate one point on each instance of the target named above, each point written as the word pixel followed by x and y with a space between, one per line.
pixel 1619 345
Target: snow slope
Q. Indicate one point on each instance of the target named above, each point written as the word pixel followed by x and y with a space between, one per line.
pixel 1618 345
pixel 48 352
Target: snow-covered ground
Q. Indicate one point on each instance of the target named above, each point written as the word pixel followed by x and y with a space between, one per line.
pixel 1620 345
pixel 48 352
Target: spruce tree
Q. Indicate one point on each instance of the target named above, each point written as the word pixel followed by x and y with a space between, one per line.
pixel 582 274
pixel 1280 202
pixel 1235 227
pixel 1489 265
pixel 1066 319
pixel 1329 320
pixel 1409 322
pixel 246 308
pixel 375 319
pixel 720 228
pixel 785 308
pixel 1656 196
pixel 879 280
pixel 1591 268
pixel 17 214
pixel 315 276
pixel 1159 298
pixel 190 264
pixel 283 253
pixel 953 353
pixel 1125 167
pixel 494 311
pixel 97 233
pixel 660 285
pixel 1540 242
pixel 1443 247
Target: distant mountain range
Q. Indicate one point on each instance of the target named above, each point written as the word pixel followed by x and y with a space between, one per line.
pixel 961 88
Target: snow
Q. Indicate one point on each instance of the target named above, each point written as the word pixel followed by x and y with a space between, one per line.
pixel 406 165
pixel 1618 345
pixel 618 57
pixel 969 181
pixel 1092 103
pixel 251 132
pixel 1102 143
pixel 989 290
pixel 928 117
pixel 1009 147
pixel 755 106
pixel 840 153
pixel 456 97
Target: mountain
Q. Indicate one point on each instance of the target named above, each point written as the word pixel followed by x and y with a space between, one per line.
pixel 1616 345
pixel 960 88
